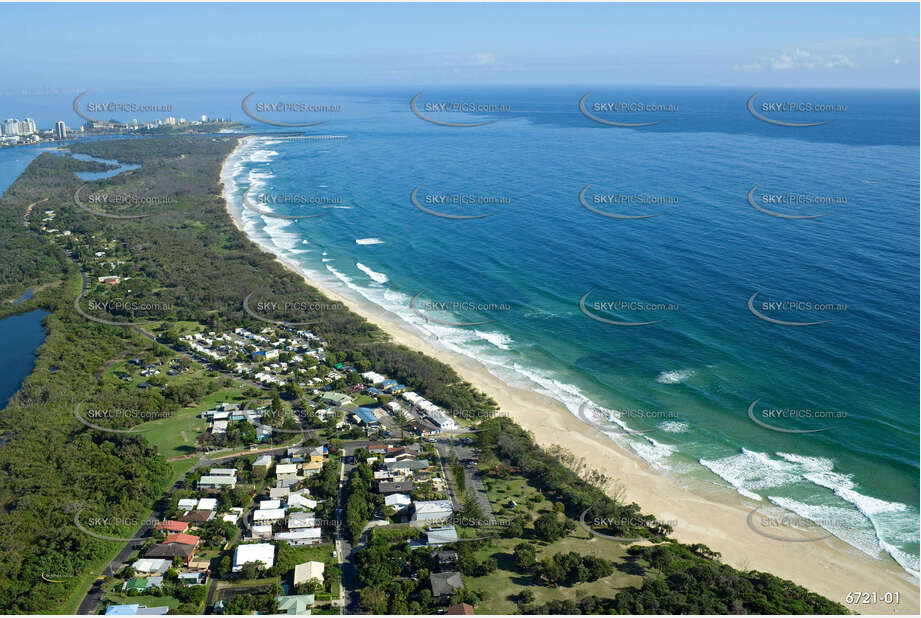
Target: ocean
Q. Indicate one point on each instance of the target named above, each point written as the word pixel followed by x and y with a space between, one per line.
pixel 505 288
pixel 672 352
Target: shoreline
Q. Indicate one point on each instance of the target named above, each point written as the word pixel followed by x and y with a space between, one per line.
pixel 829 567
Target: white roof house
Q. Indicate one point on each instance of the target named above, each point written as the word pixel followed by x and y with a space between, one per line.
pixel 187 504
pixel 286 469
pixel 307 571
pixel 263 461
pixel 398 500
pixel 231 518
pixel 279 492
pixel 217 482
pixel 253 552
pixel 151 566
pixel 301 520
pixel 207 504
pixel 299 501
pixel 223 472
pixel 441 535
pixel 219 426
pixel 432 510
pixel 262 531
pixel 268 515
pixel 269 504
pixel 372 377
pixel 301 536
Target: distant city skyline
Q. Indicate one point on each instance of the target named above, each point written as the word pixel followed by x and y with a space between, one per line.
pixel 183 46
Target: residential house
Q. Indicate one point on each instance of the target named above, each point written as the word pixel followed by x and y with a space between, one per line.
pixel 461 609
pixel 441 535
pixel 394 487
pixel 171 525
pixel 295 604
pixel 171 550
pixel 307 571
pixel 185 539
pixel 301 520
pixel 268 516
pixel 217 482
pixel 444 585
pixel 398 502
pixel 263 553
pixel 333 398
pixel 301 536
pixel 433 510
pixel 197 516
pixel 150 566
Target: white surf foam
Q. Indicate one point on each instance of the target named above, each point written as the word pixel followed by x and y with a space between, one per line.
pixel 375 276
pixel 674 376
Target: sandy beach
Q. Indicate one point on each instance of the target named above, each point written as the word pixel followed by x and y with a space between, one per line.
pixel 829 566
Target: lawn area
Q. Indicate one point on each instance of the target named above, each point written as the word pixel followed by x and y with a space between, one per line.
pixel 510 582
pixel 502 491
pixel 175 435
pixel 149 600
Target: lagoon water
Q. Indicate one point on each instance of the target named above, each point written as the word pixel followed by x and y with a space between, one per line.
pixel 688 379
pixel 20 337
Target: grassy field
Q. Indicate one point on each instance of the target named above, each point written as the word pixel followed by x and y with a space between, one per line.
pixel 510 582
pixel 114 596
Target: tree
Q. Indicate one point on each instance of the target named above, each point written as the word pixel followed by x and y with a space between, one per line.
pixel 525 556
pixel 550 528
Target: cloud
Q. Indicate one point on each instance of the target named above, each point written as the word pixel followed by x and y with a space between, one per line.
pixel 803 60
pixel 484 58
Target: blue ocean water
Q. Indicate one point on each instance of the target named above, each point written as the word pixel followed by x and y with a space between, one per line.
pixel 687 381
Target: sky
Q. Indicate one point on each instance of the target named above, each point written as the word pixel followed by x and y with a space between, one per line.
pixel 49 48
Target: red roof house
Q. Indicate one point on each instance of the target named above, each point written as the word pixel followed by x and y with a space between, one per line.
pixel 184 539
pixel 171 525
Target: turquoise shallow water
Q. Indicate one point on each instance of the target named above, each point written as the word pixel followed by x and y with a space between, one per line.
pixel 687 381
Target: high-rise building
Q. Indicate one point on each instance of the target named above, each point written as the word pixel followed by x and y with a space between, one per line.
pixel 60 130
pixel 27 127
pixel 170 120
pixel 11 126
